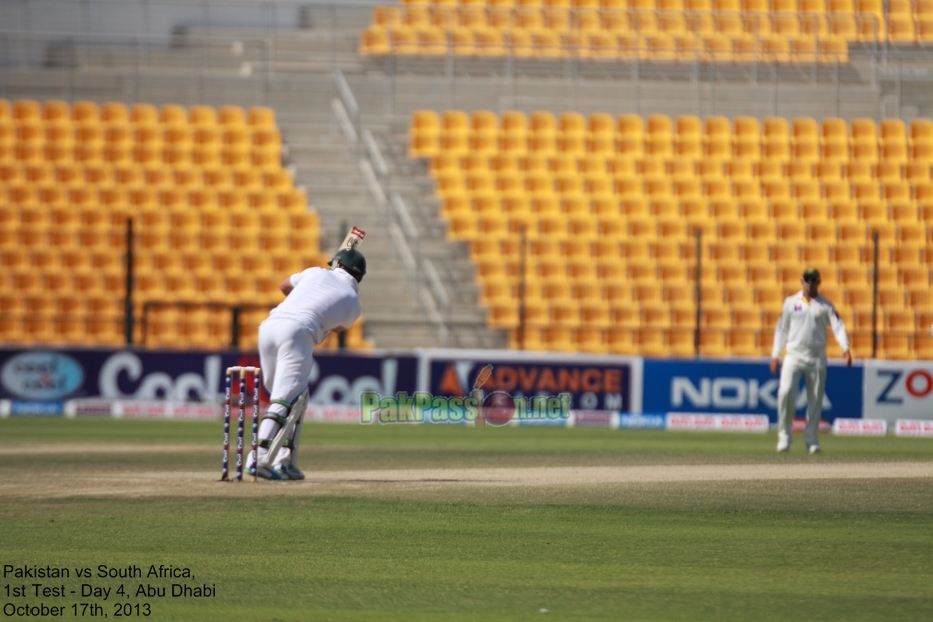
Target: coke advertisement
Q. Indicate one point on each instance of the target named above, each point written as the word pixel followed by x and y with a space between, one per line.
pixel 122 375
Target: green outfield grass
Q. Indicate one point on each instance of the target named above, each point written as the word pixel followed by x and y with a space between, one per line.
pixel 848 550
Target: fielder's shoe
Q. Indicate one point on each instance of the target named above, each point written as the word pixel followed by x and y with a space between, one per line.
pixel 813 449
pixel 276 474
pixel 783 443
pixel 292 471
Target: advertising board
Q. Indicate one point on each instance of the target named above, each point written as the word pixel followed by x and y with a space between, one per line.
pixel 898 390
pixel 30 377
pixel 740 388
pixel 595 383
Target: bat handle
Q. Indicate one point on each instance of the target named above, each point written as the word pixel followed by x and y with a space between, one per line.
pixel 480 416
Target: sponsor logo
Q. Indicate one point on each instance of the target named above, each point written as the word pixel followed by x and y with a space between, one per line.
pixel 166 410
pixel 41 375
pixel 731 393
pixel 860 427
pixel 646 422
pixel 93 408
pixel 913 427
pixel 902 383
pixel 898 390
pixel 333 414
pixel 592 418
pixel 496 408
pixel 34 408
pixel 592 387
pixel 157 385
pixel 718 423
pixel 800 424
pixel 336 389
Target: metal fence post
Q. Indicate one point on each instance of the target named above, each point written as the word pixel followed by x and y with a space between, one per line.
pixel 521 289
pixel 128 300
pixel 874 297
pixel 235 312
pixel 697 290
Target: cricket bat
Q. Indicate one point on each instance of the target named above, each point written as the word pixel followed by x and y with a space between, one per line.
pixel 477 393
pixel 353 239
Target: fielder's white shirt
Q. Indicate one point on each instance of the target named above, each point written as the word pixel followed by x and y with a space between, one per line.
pixel 802 328
pixel 321 301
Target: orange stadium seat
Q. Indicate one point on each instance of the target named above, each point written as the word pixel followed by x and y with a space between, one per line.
pixel 726 30
pixel 79 208
pixel 636 200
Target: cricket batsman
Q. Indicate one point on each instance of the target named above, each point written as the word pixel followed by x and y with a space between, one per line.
pixel 802 328
pixel 317 301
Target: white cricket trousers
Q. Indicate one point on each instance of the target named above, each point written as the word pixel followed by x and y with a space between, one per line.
pixel 286 355
pixel 814 374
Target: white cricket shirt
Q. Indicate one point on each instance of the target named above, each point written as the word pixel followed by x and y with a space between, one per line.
pixel 321 300
pixel 802 328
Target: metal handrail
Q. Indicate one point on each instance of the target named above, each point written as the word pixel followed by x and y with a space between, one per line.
pixel 379 163
pixel 375 172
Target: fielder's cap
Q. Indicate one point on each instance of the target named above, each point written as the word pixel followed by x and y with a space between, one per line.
pixel 811 274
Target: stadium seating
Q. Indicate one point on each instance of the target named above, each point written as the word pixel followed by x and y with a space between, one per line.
pixel 216 217
pixel 751 31
pixel 725 31
pixel 611 208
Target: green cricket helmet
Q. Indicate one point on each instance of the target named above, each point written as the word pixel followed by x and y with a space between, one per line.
pixel 350 260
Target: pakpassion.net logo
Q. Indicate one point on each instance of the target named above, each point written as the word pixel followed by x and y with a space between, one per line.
pixel 496 408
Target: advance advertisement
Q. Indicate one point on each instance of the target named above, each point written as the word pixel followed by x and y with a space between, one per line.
pixel 53 376
pixel 898 390
pixel 595 383
pixel 742 388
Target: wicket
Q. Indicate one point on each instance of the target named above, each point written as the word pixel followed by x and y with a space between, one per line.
pixel 241 419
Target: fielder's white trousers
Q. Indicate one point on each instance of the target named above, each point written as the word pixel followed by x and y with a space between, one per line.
pixel 286 351
pixel 814 375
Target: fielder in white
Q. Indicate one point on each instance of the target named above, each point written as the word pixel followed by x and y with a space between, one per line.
pixel 802 328
pixel 317 301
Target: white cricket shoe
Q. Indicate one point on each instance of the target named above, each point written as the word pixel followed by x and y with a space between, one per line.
pixel 813 449
pixel 783 442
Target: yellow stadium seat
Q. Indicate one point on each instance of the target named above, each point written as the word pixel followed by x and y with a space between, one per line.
pixel 375 40
pixel 923 193
pixel 142 114
pixel 55 110
pixel 27 110
pixel 871 20
pixel 489 42
pixel 917 172
pixel 173 114
pixel 114 112
pixel 403 40
pixel 432 41
pixel 844 25
pixel 862 130
pixel 85 112
pixel 425 122
pixel 905 213
pixel 912 234
pixel 901 28
pixel 873 211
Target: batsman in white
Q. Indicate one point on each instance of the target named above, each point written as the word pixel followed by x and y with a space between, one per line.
pixel 317 301
pixel 802 328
